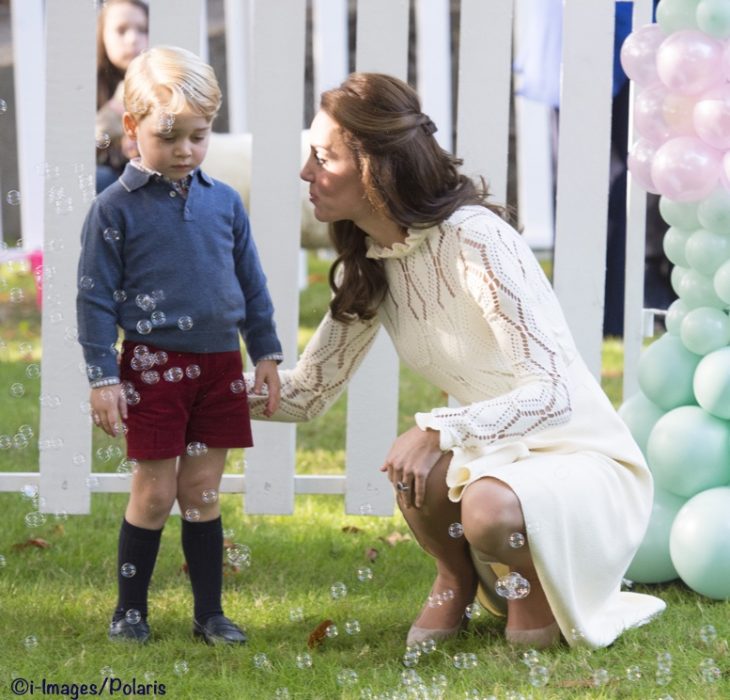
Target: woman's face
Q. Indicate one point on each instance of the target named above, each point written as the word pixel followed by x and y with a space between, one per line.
pixel 125 33
pixel 335 184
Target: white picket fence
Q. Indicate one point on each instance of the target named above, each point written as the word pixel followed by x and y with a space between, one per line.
pixel 55 92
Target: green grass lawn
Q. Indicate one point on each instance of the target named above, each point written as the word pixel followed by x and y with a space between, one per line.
pixel 55 601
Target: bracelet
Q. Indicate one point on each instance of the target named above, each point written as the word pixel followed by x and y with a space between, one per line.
pixel 104 381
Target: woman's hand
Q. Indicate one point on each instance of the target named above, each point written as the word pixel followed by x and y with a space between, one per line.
pixel 409 462
pixel 268 374
pixel 107 405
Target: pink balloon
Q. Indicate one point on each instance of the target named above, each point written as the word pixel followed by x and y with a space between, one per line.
pixel 649 120
pixel 711 118
pixel 725 175
pixel 690 62
pixel 686 169
pixel 639 162
pixel 638 54
pixel 726 62
pixel 678 111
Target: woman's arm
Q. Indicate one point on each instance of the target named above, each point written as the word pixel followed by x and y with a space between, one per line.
pixel 322 372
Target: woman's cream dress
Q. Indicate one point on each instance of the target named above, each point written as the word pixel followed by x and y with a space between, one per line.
pixel 469 308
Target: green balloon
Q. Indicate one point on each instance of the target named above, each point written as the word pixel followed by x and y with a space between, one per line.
pixel 705 251
pixel 665 370
pixel 705 329
pixel 712 383
pixel 680 214
pixel 721 282
pixel 689 451
pixel 713 211
pixel 699 543
pixel 713 18
pixel 652 562
pixel 675 15
pixel 696 290
pixel 674 244
pixel 675 313
pixel 676 275
pixel 640 415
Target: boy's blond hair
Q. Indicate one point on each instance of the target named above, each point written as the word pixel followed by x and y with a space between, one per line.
pixel 170 78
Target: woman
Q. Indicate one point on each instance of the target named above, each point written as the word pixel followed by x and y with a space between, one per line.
pixel 121 34
pixel 535 463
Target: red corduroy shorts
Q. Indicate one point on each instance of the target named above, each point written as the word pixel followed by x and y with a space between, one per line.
pixel 179 398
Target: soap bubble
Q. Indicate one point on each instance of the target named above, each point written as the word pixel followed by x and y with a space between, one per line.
pixel 239 555
pixel 210 496
pixel 30 642
pixel 331 632
pixel 13 197
pixel 192 371
pixel 180 667
pixel 364 573
pixel 347 677
pixel 304 660
pixel 150 376
pixel 103 140
pixel 86 282
pixel 196 449
pixel 456 530
pixel 173 374
pixel 127 569
pixel 633 673
pixel 708 634
pixel 513 586
pixel 473 611
pixel 184 323
pixel 238 386
pixel 158 318
pixel 192 515
pixel 516 540
pixel 296 614
pixel 35 519
pixel 338 590
pixel 261 661
pixel 119 296
pixel 710 671
pixel 144 326
pixel 352 627
pixel 133 616
pixel 111 235
pixel 17 390
pixel 539 676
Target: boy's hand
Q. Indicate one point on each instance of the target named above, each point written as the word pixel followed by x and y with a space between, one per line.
pixel 107 405
pixel 267 373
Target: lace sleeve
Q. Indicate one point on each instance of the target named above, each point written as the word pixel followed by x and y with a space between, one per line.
pixel 499 273
pixel 322 372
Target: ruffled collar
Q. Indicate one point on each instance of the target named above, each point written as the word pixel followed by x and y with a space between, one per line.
pixel 414 238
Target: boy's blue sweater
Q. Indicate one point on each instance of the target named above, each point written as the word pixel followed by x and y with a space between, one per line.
pixel 191 258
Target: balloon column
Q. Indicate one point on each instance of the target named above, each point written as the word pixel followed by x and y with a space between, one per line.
pixel 681 416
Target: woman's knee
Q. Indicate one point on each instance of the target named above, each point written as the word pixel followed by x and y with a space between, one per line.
pixel 490 513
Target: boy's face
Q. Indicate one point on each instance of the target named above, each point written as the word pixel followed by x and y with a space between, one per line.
pixel 173 145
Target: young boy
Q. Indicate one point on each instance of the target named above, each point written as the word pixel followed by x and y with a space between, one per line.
pixel 167 254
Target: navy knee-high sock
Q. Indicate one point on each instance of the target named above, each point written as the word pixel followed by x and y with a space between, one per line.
pixel 137 554
pixel 203 547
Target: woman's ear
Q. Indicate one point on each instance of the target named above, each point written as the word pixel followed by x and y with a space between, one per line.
pixel 129 123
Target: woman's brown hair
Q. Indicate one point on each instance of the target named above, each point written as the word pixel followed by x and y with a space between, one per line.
pixel 404 171
pixel 108 76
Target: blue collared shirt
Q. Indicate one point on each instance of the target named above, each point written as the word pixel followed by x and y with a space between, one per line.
pixel 177 273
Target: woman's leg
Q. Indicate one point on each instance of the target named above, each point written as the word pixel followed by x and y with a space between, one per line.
pixel 454 568
pixel 491 512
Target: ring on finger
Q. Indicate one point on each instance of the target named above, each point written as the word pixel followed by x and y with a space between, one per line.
pixel 402 486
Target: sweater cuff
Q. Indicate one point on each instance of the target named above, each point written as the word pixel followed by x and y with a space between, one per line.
pixel 448 439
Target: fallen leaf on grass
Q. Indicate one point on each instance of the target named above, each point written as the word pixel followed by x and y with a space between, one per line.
pixel 351 529
pixel 318 634
pixel 32 542
pixel 371 554
pixel 229 568
pixel 184 569
pixel 395 537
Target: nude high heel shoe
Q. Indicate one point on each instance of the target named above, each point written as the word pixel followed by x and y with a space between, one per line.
pixel 539 638
pixel 418 635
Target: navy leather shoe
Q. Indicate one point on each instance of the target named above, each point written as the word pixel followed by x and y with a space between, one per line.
pixel 219 630
pixel 121 630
